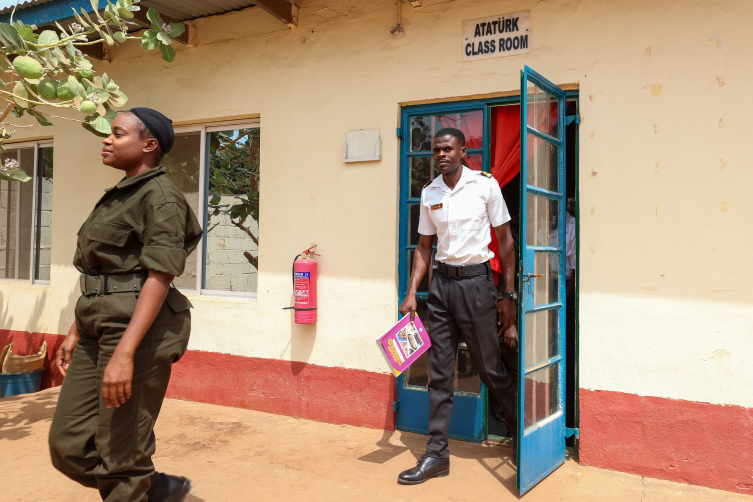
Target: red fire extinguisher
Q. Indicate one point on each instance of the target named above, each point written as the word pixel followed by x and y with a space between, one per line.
pixel 304 287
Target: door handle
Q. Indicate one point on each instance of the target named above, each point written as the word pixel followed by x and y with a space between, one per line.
pixel 527 279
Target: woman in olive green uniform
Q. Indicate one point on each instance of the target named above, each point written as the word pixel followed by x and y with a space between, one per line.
pixel 131 325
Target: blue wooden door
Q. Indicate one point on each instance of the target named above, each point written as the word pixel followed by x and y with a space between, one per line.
pixel 418 125
pixel 541 413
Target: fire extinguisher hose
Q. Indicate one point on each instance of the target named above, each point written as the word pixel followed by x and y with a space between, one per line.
pixel 293 276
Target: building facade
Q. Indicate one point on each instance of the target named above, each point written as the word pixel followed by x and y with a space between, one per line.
pixel 659 116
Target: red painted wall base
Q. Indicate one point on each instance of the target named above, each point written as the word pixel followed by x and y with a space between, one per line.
pixel 334 395
pixel 697 443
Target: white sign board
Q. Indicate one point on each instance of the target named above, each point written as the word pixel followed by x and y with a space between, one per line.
pixel 494 37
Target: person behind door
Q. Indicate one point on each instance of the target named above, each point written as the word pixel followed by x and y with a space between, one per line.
pixel 459 208
pixel 130 324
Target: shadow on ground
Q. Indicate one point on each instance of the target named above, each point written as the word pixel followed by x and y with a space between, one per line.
pixel 19 413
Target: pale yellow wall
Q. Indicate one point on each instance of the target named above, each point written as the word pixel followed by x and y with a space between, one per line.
pixel 666 274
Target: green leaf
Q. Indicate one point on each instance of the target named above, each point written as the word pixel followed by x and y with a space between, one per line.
pixel 59 54
pixel 176 29
pixel 168 53
pixel 17 112
pixel 3 64
pixel 65 34
pixel 153 16
pixel 215 199
pixel 149 40
pixel 19 175
pixel 10 33
pixel 125 13
pixel 71 50
pixel 80 20
pixel 94 25
pixel 2 84
pixel 95 4
pixel 103 125
pixel 40 118
pixel 48 37
pixel 162 37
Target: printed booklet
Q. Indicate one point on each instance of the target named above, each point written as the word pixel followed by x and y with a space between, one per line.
pixel 403 343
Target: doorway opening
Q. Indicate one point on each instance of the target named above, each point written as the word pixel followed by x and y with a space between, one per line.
pixel 492 129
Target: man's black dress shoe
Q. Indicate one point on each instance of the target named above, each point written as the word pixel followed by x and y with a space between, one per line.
pixel 426 468
pixel 167 488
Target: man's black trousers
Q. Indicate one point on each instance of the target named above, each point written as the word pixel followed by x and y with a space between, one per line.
pixel 464 308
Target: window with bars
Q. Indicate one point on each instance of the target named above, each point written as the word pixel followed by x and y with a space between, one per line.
pixel 26 215
pixel 217 168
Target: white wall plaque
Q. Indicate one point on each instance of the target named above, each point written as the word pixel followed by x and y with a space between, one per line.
pixel 362 146
pixel 494 37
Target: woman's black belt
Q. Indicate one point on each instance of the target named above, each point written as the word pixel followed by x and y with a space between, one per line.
pixel 106 284
pixel 463 271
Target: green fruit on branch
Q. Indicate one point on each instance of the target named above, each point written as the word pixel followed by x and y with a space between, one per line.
pixel 112 86
pixel 85 74
pixel 64 92
pixel 119 37
pixel 27 67
pixel 88 107
pixel 48 89
pixel 20 90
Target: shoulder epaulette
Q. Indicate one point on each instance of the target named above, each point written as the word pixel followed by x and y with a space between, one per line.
pixel 484 173
pixel 427 184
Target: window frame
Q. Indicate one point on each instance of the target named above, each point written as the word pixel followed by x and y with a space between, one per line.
pixel 31 281
pixel 204 130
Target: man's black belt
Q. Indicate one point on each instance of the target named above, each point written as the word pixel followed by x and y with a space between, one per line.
pixel 463 271
pixel 106 284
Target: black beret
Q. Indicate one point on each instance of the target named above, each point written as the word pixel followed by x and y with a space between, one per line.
pixel 160 126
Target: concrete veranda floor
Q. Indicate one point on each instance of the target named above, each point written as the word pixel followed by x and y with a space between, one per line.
pixel 240 455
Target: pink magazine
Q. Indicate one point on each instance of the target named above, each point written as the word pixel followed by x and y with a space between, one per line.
pixel 403 343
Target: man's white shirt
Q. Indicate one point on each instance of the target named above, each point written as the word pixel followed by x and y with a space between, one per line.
pixel 462 218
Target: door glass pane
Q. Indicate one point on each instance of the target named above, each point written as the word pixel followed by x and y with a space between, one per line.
pixel 232 234
pixel 466 375
pixel 541 224
pixel 542 164
pixel 474 162
pixel 541 336
pixel 43 251
pixel 546 279
pixel 420 174
pixel 182 164
pixel 415 215
pixel 423 128
pixel 542 394
pixel 542 111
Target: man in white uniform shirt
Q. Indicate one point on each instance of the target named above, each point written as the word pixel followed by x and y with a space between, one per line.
pixel 461 208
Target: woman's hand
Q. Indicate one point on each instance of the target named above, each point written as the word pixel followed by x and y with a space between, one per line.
pixel 116 382
pixel 65 352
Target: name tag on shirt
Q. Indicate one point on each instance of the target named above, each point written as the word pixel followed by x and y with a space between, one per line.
pixel 434 207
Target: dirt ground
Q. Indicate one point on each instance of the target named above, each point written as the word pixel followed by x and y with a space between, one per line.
pixel 233 455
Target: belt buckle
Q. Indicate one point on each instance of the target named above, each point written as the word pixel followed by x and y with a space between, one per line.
pixel 101 289
pixel 82 284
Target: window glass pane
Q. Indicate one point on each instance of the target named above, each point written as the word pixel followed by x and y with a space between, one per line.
pixel 541 336
pixel 232 232
pixel 16 205
pixel 43 244
pixel 26 213
pixel 542 111
pixel 182 164
pixel 542 394
pixel 415 216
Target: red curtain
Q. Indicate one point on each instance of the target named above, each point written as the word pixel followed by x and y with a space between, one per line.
pixel 505 158
pixel 505 152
